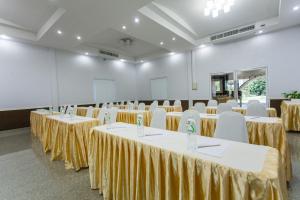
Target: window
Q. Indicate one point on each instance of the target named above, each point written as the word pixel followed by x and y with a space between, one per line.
pixel 104 90
pixel 159 88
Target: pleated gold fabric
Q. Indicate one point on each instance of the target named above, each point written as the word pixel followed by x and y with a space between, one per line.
pixel 290 114
pixel 267 134
pixel 126 169
pixel 130 117
pixel 68 141
pixel 81 111
pixel 271 111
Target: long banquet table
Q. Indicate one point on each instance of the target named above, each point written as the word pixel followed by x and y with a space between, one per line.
pixel 213 110
pixel 159 166
pixel 261 131
pixel 290 114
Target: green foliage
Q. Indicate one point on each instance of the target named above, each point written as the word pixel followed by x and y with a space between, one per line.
pixel 257 87
pixel 292 95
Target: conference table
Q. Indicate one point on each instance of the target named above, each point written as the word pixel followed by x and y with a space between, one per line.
pixel 67 138
pixel 213 110
pixel 268 131
pixel 290 114
pixel 160 166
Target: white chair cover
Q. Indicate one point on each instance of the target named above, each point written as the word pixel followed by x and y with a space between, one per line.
pixel 155 102
pixel 90 111
pixel 223 107
pixel 111 104
pixel 253 101
pixel 200 107
pixel 159 118
pixel 233 103
pixel 130 106
pixel 189 114
pixel 104 105
pixel 113 114
pixel 122 103
pixel 257 109
pixel 212 102
pixel 153 106
pixel 136 103
pixel 166 103
pixel 141 106
pixel 101 115
pixel 177 103
pixel 232 126
pixel 97 105
pixel 128 102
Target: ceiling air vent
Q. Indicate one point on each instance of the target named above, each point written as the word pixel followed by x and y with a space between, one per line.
pixel 229 34
pixel 108 53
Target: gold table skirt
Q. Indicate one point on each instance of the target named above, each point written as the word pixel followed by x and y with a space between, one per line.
pixel 271 111
pixel 290 114
pixel 168 108
pixel 267 134
pixel 68 142
pixel 81 111
pixel 131 117
pixel 125 169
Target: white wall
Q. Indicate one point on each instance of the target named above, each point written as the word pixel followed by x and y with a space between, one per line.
pixel 32 76
pixel 279 51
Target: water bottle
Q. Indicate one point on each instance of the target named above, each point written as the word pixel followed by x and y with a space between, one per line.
pixel 107 119
pixel 51 110
pixel 191 134
pixel 140 125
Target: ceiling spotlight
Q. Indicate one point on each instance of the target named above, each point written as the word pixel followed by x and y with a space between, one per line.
pixel 136 20
pixel 260 31
pixel 172 53
pixel 295 8
pixel 59 32
pixel 173 38
pixel 124 27
pixel 122 60
pixel 86 53
pixel 141 61
pixel 78 37
pixel 202 46
pixel 161 43
pixel 5 37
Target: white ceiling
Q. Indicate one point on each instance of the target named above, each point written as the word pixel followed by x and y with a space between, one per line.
pixel 99 23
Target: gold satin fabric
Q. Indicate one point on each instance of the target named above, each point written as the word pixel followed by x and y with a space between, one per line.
pixel 125 169
pixel 267 134
pixel 290 114
pixel 271 111
pixel 81 111
pixel 131 117
pixel 68 141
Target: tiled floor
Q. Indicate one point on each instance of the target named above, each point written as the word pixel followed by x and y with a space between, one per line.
pixel 27 173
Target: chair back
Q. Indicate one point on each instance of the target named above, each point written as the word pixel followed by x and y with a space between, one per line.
pixel 97 105
pixel 223 107
pixel 166 103
pixel 233 103
pixel 128 102
pixel 189 114
pixel 113 114
pixel 159 118
pixel 155 102
pixel 141 106
pixel 111 104
pixel 253 101
pixel 212 102
pixel 104 105
pixel 232 126
pixel 200 107
pixel 69 109
pixel 153 106
pixel 257 109
pixel 122 103
pixel 89 112
pixel 101 115
pixel 177 103
pixel 130 106
pixel 136 103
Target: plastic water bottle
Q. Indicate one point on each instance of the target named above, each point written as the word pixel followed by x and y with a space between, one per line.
pixel 51 110
pixel 140 125
pixel 191 134
pixel 107 119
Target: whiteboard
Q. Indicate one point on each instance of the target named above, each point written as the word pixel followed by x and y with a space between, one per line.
pixel 159 89
pixel 104 90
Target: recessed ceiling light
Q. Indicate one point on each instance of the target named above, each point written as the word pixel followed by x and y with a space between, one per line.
pixel 59 32
pixel 172 53
pixel 141 61
pixel 161 43
pixel 202 46
pixel 86 53
pixel 173 38
pixel 295 8
pixel 78 37
pixel 260 31
pixel 124 27
pixel 136 20
pixel 122 60
pixel 5 37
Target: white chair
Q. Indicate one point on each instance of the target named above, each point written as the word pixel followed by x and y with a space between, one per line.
pixel 155 102
pixel 69 109
pixel 232 126
pixel 253 101
pixel 189 114
pixel 166 103
pixel 130 106
pixel 257 109
pixel 153 106
pixel 97 105
pixel 295 100
pixel 113 114
pixel 122 103
pixel 136 103
pixel 223 107
pixel 233 103
pixel 101 115
pixel 200 107
pixel 212 103
pixel 177 103
pixel 90 111
pixel 141 106
pixel 111 104
pixel 128 103
pixel 159 118
pixel 104 105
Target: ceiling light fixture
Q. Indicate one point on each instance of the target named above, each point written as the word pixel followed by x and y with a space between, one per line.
pixel 213 7
pixel 78 37
pixel 86 53
pixel 295 8
pixel 136 20
pixel 172 53
pixel 161 43
pixel 124 27
pixel 260 31
pixel 122 60
pixel 202 46
pixel 142 61
pixel 59 32
pixel 173 38
pixel 5 37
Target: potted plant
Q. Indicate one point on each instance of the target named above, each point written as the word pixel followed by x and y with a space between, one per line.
pixel 292 95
